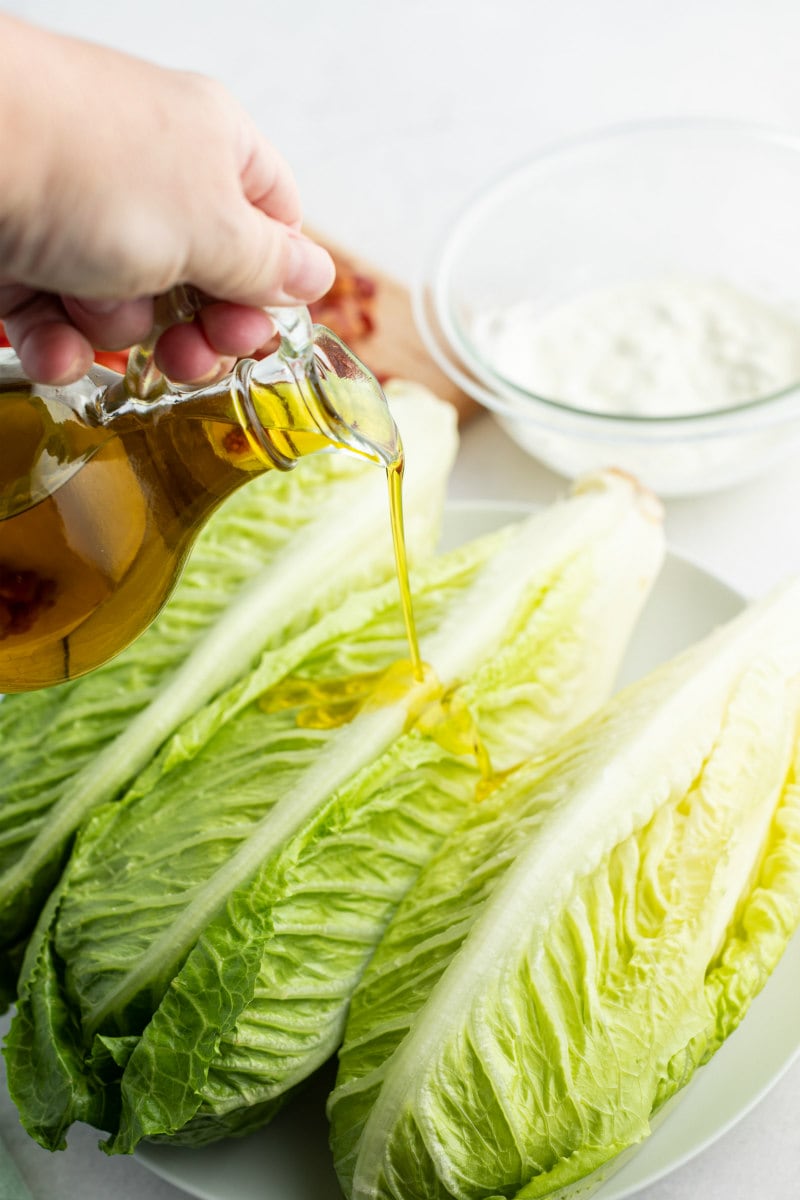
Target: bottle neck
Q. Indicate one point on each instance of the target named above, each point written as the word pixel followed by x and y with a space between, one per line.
pixel 275 416
pixel 289 406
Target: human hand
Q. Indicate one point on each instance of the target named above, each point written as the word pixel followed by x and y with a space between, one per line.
pixel 128 179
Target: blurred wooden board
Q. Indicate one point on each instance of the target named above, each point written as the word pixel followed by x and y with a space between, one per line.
pixel 392 347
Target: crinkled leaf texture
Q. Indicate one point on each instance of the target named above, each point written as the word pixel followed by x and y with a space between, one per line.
pixel 586 939
pixel 212 925
pixel 276 556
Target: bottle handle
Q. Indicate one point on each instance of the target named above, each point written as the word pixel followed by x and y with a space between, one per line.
pixel 143 379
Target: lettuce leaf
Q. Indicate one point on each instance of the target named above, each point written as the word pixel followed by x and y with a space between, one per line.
pixel 585 940
pixel 278 554
pixel 211 926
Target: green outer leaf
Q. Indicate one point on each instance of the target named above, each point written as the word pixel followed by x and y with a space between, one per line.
pixel 167 1086
pixel 550 980
pixel 45 1031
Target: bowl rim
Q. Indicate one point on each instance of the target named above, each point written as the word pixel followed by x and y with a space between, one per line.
pixel 445 342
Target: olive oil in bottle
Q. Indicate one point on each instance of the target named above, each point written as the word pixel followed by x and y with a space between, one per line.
pixel 102 495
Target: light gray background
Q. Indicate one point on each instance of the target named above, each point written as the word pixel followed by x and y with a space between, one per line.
pixel 392 114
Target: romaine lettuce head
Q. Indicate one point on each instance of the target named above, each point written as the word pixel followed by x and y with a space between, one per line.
pixel 586 938
pixel 196 963
pixel 277 555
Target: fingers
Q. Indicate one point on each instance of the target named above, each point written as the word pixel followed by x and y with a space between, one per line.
pixel 50 348
pixel 109 324
pixel 205 348
pixel 235 330
pixel 53 350
pixel 54 337
pixel 183 353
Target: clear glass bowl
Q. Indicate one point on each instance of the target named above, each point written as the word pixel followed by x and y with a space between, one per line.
pixel 704 199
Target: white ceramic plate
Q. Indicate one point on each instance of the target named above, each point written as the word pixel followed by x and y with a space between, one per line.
pixel 289 1160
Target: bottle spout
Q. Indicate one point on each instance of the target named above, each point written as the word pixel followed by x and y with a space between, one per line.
pixel 353 401
pixel 314 385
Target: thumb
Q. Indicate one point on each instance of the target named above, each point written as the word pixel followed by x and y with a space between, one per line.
pixel 260 261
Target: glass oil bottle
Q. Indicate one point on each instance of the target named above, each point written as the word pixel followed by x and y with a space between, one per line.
pixel 105 484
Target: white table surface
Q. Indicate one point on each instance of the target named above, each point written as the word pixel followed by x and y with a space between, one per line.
pixel 392 114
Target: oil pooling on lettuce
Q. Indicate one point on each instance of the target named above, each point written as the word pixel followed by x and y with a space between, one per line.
pixel 585 940
pixel 269 563
pixel 197 960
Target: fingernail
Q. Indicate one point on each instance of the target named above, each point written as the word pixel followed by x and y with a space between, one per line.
pixel 309 271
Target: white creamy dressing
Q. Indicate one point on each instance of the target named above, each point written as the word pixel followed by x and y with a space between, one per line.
pixel 665 347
